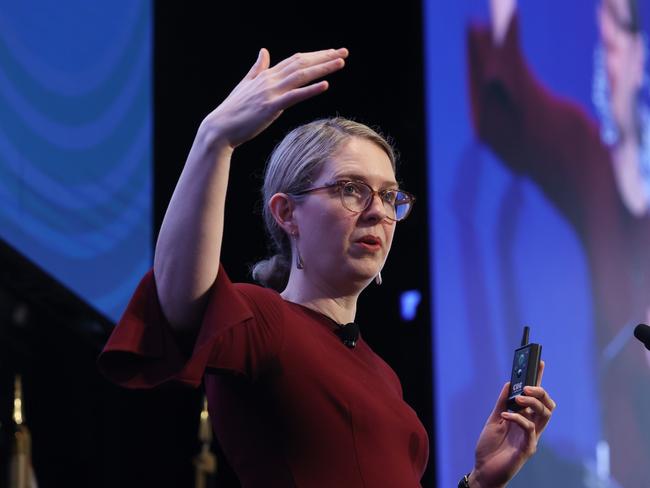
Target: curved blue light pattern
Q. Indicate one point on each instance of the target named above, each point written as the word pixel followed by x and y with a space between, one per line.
pixel 75 142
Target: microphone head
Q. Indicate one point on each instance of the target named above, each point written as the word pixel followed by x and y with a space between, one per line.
pixel 642 332
pixel 349 334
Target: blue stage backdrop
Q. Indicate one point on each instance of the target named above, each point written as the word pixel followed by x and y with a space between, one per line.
pixel 75 142
pixel 511 249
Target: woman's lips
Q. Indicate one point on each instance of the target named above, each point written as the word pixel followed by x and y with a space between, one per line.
pixel 369 247
pixel 369 243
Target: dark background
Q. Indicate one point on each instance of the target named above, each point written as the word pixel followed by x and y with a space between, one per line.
pixel 87 432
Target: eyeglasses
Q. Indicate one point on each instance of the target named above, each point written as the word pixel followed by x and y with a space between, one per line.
pixel 357 196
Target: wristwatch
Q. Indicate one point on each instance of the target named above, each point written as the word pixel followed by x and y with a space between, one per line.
pixel 464 481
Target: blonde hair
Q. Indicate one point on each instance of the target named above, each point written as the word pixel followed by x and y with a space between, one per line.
pixel 294 164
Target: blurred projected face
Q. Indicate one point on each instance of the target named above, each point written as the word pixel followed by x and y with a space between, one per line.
pixel 624 58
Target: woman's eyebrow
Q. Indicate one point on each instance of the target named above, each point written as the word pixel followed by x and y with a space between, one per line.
pixel 358 177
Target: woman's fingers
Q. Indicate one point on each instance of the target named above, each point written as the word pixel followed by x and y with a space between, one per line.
pixel 540 372
pixel 301 65
pixel 299 94
pixel 529 428
pixel 307 75
pixel 538 406
pixel 302 69
pixel 526 424
pixel 533 405
pixel 288 82
pixel 264 93
pixel 542 395
pixel 304 60
pixel 261 63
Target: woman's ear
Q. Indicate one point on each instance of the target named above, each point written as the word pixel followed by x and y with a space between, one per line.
pixel 282 207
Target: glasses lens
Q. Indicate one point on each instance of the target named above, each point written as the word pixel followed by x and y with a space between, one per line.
pixel 389 198
pixel 402 205
pixel 355 195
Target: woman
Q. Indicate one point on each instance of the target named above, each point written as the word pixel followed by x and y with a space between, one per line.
pixel 297 398
pixel 596 176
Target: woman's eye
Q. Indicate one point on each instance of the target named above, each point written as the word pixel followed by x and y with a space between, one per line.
pixel 351 189
pixel 390 196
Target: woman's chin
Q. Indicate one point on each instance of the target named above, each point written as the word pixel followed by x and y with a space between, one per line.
pixel 366 276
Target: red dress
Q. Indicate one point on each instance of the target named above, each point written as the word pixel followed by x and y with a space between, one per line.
pixel 291 404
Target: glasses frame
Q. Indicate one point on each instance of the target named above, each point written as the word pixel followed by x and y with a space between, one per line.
pixel 339 184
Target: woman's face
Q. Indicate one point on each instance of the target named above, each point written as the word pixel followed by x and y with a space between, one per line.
pixel 624 58
pixel 342 249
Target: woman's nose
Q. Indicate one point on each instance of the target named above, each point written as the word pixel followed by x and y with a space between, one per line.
pixel 376 208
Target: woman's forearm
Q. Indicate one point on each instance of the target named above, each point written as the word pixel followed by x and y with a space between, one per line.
pixel 187 253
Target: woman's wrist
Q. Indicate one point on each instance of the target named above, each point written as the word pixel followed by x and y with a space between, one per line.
pixel 475 480
pixel 211 139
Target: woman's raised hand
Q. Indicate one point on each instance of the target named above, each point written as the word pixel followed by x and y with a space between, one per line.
pixel 265 92
pixel 501 13
pixel 186 262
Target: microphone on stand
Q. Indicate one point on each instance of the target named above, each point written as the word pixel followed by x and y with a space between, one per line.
pixel 642 332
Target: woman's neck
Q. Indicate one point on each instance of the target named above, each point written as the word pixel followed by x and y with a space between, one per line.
pixel 322 298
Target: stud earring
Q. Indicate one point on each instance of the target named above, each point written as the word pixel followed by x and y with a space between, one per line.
pixel 378 279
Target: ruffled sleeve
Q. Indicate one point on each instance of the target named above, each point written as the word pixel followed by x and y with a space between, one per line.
pixel 241 331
